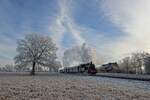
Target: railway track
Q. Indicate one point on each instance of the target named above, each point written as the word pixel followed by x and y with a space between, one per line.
pixel 125 76
pixel 116 75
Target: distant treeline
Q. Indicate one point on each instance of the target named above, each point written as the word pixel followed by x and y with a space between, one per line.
pixel 136 63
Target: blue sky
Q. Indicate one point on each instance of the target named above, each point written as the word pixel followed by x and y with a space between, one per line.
pixel 114 28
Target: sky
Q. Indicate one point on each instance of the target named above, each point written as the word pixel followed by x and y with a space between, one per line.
pixel 115 28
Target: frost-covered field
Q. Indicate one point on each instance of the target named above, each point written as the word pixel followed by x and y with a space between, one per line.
pixel 69 87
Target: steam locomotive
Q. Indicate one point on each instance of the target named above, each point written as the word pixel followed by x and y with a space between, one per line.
pixel 88 68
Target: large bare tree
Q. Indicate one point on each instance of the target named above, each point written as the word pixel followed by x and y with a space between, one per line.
pixel 36 49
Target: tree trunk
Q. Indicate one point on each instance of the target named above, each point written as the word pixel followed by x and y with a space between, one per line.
pixel 33 69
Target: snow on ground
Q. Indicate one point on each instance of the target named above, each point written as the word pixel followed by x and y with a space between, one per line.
pixel 71 87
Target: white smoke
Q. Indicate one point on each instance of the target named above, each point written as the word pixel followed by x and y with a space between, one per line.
pixel 78 55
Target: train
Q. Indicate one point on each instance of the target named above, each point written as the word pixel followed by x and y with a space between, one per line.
pixel 109 67
pixel 88 68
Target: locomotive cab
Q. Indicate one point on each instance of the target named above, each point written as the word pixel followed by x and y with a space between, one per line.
pixel 92 70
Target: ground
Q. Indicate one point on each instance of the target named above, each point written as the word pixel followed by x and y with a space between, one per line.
pixel 71 87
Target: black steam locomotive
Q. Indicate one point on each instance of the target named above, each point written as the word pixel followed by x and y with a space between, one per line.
pixel 82 68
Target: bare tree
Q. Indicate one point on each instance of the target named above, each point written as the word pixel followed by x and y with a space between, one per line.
pixel 147 65
pixel 36 49
pixel 137 61
pixel 20 68
pixel 8 68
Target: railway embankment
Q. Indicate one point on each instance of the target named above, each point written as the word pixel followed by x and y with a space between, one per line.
pixel 126 76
